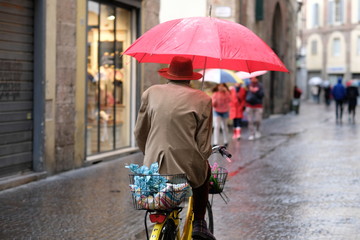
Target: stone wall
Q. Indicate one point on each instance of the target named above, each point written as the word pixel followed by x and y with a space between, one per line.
pixel 64 127
pixel 65 85
pixel 278 30
pixel 150 18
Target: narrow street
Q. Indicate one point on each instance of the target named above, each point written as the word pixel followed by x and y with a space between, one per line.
pixel 299 181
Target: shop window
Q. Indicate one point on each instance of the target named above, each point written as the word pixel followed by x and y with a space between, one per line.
pixel 333 78
pixel 108 81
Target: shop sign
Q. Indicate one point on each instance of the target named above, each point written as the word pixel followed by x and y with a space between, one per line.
pixel 336 69
pixel 223 12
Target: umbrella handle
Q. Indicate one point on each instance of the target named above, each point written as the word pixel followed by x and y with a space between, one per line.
pixel 203 78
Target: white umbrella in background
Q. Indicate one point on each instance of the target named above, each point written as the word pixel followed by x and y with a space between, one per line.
pixel 315 81
pixel 217 75
pixel 326 83
pixel 244 75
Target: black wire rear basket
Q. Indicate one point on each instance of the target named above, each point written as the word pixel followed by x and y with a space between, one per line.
pixel 158 192
pixel 217 180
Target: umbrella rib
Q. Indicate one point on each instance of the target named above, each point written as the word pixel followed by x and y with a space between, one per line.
pixel 247 66
pixel 192 38
pixel 220 58
pixel 141 57
pixel 202 82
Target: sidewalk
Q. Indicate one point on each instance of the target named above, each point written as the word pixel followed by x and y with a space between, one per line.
pixel 270 179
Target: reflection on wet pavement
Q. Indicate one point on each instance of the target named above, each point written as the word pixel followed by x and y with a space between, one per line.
pixel 299 181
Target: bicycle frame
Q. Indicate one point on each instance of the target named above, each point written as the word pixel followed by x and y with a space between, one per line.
pixel 167 223
pixel 187 231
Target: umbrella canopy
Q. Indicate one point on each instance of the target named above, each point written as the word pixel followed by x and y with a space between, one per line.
pixel 209 42
pixel 244 75
pixel 315 81
pixel 353 83
pixel 217 75
pixel 326 83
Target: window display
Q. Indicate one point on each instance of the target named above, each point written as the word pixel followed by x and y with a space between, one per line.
pixel 108 79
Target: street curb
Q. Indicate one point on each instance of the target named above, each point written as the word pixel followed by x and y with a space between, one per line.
pixel 15 181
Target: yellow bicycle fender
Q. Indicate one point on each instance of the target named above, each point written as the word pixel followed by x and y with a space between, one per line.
pixel 155 234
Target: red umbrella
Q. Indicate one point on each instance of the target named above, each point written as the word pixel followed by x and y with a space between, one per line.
pixel 210 42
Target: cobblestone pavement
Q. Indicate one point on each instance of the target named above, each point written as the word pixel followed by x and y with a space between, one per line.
pixel 299 181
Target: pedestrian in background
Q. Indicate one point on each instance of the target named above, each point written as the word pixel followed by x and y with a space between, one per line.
pixel 327 93
pixel 313 90
pixel 352 93
pixel 221 99
pixel 339 94
pixel 254 107
pixel 296 100
pixel 318 93
pixel 237 105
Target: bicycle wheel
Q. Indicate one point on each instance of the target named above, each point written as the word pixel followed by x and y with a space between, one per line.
pixel 168 232
pixel 209 217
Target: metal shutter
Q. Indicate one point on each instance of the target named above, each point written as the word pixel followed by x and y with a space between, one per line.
pixel 16 86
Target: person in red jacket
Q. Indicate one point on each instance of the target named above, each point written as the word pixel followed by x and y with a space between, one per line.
pixel 237 105
pixel 221 99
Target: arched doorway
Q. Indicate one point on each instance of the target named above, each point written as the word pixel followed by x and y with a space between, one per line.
pixel 277 85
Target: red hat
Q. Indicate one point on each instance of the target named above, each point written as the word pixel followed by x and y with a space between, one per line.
pixel 180 69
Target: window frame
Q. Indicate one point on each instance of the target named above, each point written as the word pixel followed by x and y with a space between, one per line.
pixel 336 47
pixel 314 47
pixel 259 10
pixel 337 12
pixel 358 10
pixel 316 16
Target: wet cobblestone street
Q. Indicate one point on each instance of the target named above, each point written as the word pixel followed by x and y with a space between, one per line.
pixel 300 181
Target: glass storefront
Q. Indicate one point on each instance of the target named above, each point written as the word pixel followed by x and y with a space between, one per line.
pixel 108 78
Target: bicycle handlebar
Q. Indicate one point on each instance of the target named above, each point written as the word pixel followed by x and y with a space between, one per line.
pixel 222 150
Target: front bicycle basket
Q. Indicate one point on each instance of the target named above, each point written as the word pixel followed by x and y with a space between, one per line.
pixel 217 180
pixel 158 192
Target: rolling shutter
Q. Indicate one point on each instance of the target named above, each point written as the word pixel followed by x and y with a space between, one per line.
pixel 16 86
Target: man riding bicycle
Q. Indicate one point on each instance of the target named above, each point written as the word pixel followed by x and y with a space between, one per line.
pixel 174 128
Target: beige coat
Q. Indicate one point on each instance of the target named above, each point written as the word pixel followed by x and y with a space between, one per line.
pixel 174 129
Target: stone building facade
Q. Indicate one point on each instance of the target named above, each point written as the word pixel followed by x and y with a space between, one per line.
pixel 68 98
pixel 330 39
pixel 55 114
pixel 275 22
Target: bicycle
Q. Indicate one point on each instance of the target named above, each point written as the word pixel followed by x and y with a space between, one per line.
pixel 168 215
